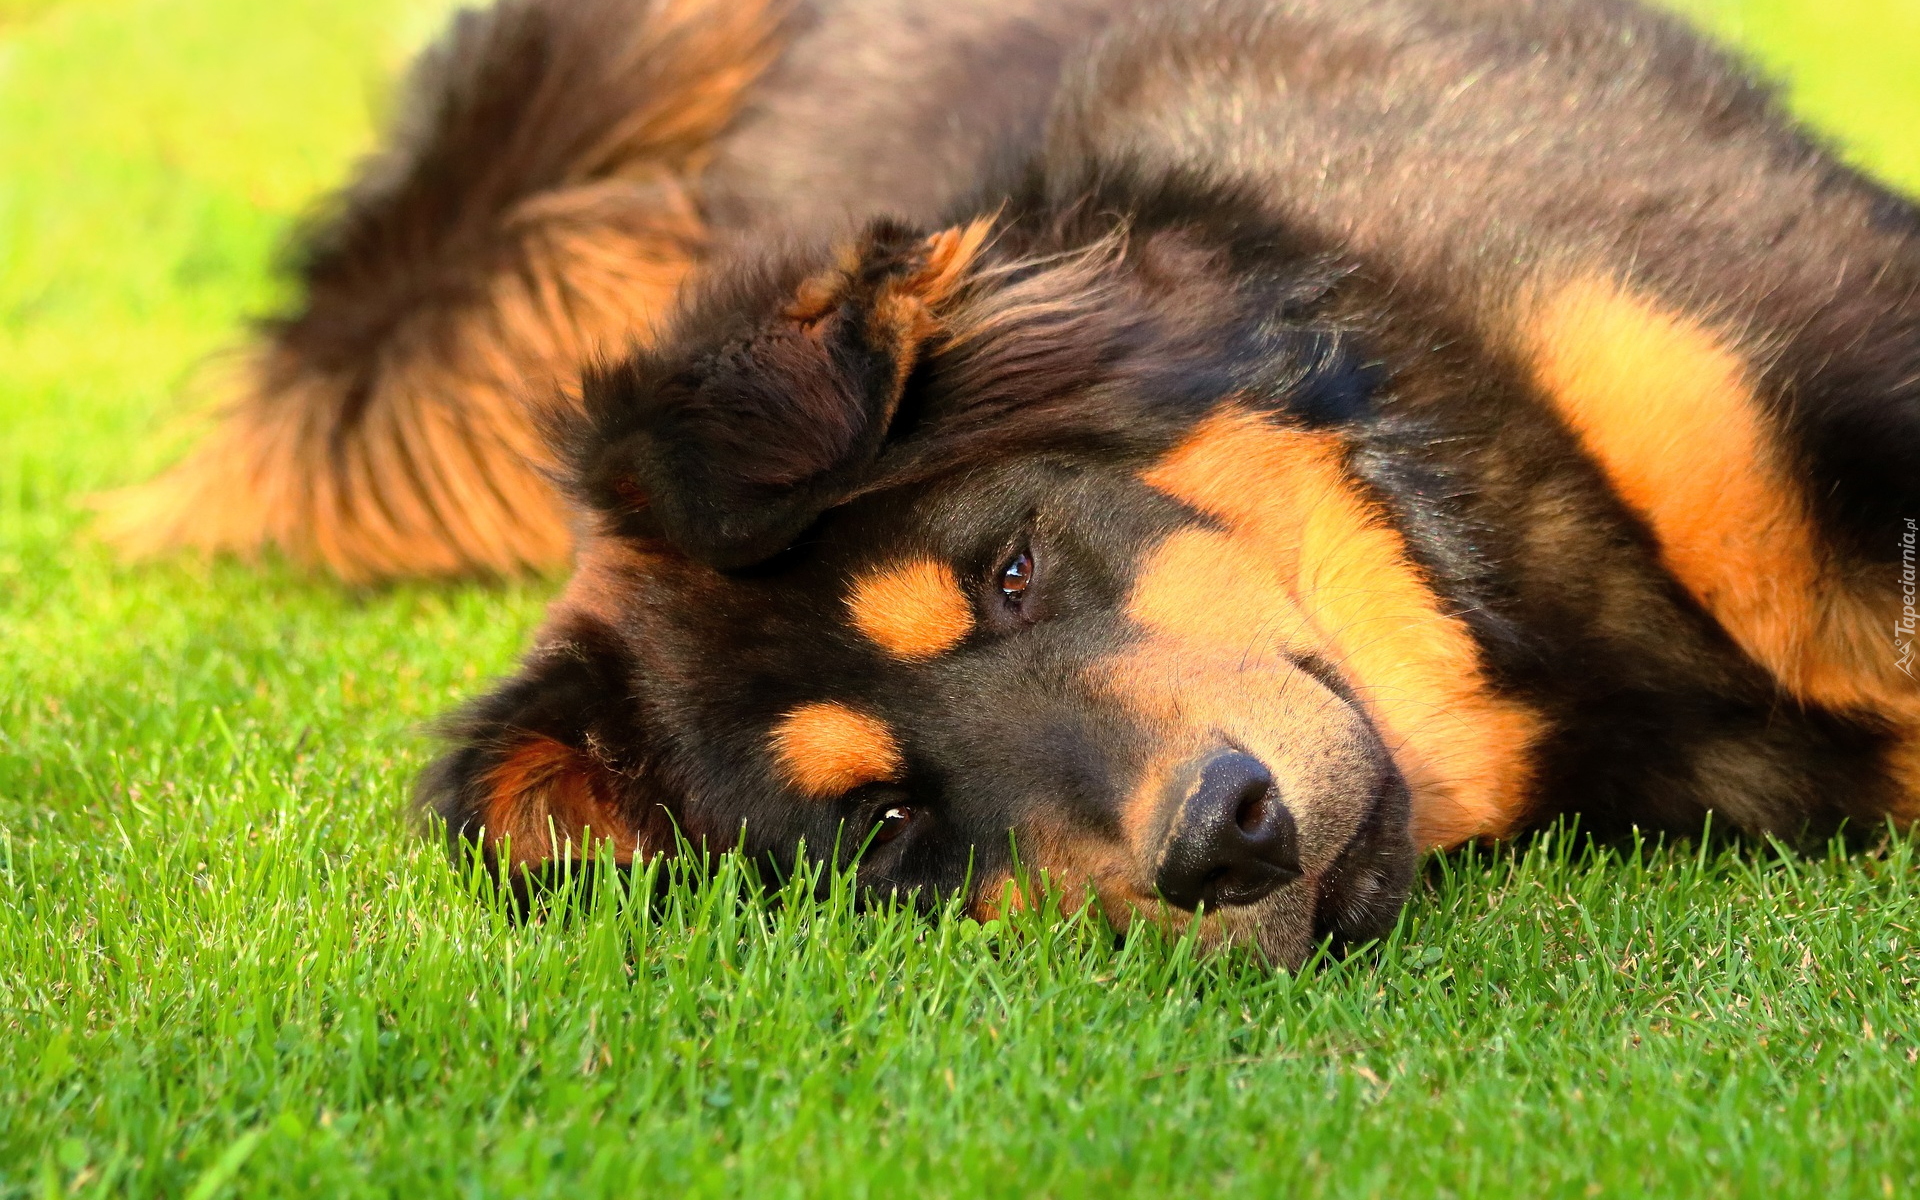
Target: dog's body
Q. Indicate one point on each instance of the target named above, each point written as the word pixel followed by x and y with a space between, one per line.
pixel 1202 450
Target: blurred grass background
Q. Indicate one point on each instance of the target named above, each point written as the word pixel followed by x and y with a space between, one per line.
pixel 227 966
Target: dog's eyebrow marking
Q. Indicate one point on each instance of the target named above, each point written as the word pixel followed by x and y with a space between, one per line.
pixel 544 789
pixel 914 610
pixel 827 748
pixel 1669 410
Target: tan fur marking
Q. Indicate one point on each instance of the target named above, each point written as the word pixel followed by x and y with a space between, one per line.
pixel 994 900
pixel 826 749
pixel 1342 584
pixel 950 256
pixel 913 610
pixel 548 800
pixel 1667 407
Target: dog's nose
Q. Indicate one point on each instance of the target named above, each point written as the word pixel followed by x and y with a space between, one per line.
pixel 1232 841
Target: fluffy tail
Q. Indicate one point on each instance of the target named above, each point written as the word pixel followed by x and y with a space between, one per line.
pixel 534 211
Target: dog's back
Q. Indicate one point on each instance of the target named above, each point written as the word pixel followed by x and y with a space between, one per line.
pixel 895 108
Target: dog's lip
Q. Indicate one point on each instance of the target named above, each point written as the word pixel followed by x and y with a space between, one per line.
pixel 1349 893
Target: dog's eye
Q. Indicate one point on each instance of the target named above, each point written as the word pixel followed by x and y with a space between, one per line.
pixel 892 823
pixel 1015 577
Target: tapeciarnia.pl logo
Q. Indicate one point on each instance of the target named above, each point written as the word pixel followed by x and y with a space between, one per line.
pixel 1903 628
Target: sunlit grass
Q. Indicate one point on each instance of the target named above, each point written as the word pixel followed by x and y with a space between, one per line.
pixel 228 964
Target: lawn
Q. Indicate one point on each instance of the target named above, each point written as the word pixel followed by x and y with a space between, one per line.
pixel 229 965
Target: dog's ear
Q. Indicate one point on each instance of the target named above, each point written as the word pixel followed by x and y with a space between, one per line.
pixel 729 449
pixel 553 763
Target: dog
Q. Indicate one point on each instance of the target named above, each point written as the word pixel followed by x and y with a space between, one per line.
pixel 1195 454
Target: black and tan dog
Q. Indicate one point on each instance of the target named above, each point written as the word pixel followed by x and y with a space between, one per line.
pixel 1200 450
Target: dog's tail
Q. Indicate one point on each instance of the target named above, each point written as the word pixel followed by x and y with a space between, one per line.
pixel 533 211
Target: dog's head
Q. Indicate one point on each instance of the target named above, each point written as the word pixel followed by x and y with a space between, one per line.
pixel 982 554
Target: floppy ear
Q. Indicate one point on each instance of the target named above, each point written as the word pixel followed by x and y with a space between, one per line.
pixel 731 447
pixel 553 763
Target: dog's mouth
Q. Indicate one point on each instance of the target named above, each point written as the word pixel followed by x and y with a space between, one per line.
pixel 1359 897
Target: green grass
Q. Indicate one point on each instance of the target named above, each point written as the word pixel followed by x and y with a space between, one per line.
pixel 228 966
